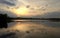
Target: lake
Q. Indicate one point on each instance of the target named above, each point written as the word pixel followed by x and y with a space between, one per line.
pixel 31 29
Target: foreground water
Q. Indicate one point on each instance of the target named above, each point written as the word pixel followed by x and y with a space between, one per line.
pixel 31 29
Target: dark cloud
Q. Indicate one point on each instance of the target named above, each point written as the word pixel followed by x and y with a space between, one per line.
pixel 49 15
pixel 52 15
pixel 10 14
pixel 6 2
pixel 28 6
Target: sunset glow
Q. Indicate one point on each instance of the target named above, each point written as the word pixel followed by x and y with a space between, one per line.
pixel 21 11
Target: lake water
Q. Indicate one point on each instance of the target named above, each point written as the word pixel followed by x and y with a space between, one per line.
pixel 36 22
pixel 32 29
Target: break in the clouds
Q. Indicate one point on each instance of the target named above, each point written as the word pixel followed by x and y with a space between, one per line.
pixel 37 8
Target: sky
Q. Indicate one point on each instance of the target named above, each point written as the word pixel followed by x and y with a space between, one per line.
pixel 31 8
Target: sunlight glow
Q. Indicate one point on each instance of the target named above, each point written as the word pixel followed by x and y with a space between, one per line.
pixel 20 11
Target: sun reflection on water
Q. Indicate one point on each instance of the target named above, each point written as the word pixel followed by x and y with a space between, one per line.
pixel 32 27
pixel 22 26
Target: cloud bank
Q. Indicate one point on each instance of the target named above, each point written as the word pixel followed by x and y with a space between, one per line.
pixel 37 7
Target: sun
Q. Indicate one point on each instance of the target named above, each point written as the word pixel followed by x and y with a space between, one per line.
pixel 20 11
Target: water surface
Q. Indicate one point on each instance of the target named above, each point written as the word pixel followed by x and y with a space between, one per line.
pixel 32 29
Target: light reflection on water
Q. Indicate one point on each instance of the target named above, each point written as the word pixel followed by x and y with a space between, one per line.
pixel 32 29
pixel 27 25
pixel 36 22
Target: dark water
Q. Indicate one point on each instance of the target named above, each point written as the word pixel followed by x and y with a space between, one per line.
pixel 31 29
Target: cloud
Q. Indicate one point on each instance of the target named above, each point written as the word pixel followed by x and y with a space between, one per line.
pixel 7 3
pixel 41 3
pixel 37 7
pixel 55 14
pixel 52 15
pixel 10 14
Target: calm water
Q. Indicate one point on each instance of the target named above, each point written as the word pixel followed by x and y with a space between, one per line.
pixel 36 22
pixel 32 29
